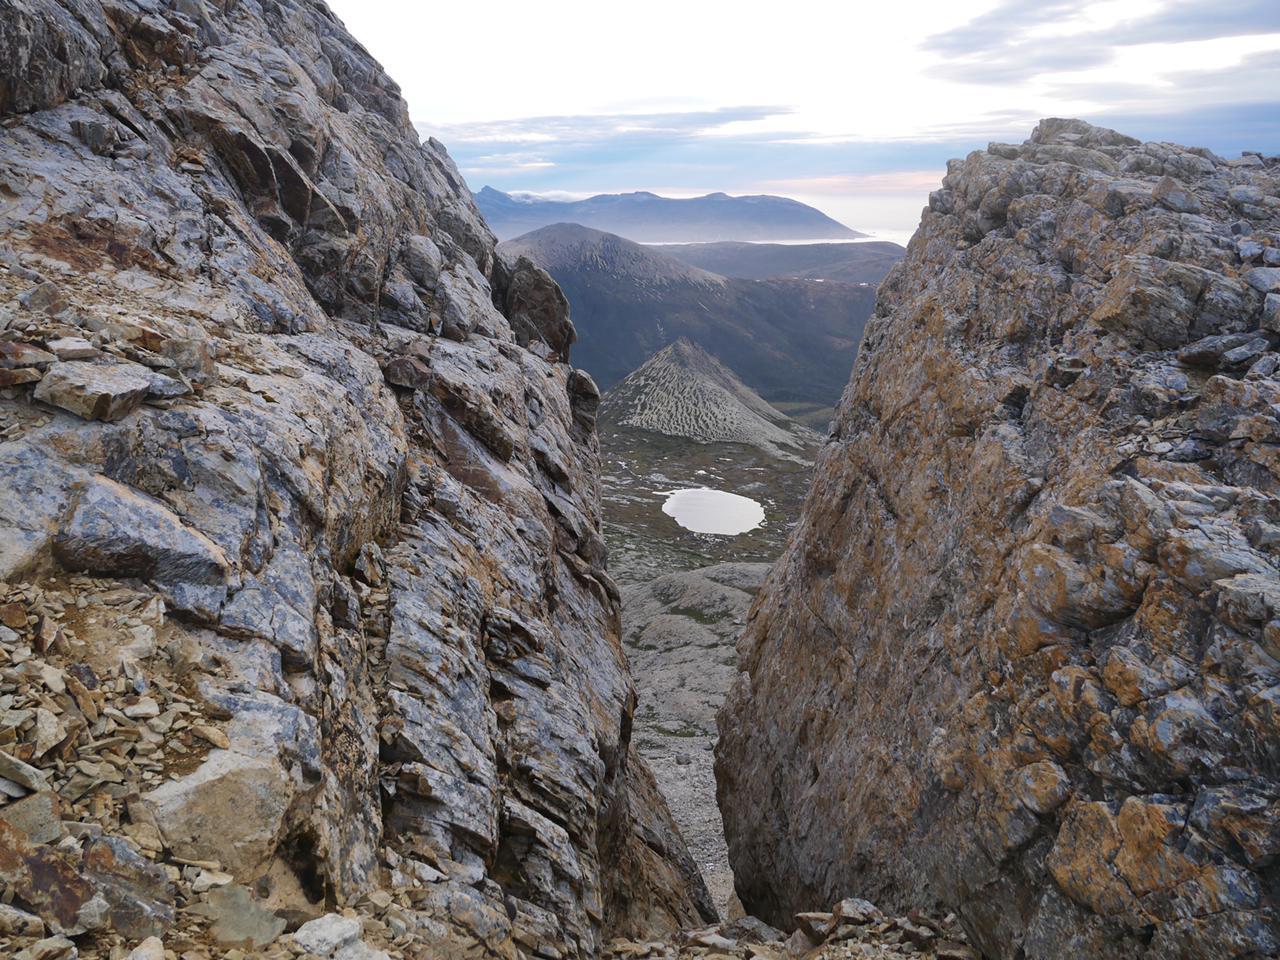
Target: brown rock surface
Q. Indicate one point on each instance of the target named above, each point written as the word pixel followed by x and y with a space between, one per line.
pixel 278 624
pixel 106 392
pixel 1020 658
pixel 852 928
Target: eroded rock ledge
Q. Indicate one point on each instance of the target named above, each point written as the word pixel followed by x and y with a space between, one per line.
pixel 304 598
pixel 1022 655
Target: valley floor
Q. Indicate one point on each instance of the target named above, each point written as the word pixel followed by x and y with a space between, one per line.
pixel 679 630
pixel 685 598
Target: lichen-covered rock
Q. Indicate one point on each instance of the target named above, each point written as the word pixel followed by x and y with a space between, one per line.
pixel 299 539
pixel 1020 655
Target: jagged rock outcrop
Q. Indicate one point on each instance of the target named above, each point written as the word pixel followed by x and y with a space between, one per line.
pixel 303 594
pixel 1020 656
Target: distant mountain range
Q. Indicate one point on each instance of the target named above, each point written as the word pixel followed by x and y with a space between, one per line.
pixel 683 391
pixel 649 218
pixel 791 341
pixel 845 262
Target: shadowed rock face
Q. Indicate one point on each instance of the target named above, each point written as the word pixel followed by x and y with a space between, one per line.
pixel 1020 656
pixel 380 599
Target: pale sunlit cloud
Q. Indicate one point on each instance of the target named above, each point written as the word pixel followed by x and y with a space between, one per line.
pixel 894 183
pixel 811 98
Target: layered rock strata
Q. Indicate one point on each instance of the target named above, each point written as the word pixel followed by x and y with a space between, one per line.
pixel 1020 657
pixel 304 598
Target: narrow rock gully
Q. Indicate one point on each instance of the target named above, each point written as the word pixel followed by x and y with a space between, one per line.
pixel 685 602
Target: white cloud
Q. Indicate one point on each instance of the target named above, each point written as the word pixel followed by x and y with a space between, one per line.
pixel 895 183
pixel 585 96
pixel 849 69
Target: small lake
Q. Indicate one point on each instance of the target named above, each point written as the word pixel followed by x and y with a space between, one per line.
pixel 704 510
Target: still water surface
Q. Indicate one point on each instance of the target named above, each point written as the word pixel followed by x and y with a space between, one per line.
pixel 704 510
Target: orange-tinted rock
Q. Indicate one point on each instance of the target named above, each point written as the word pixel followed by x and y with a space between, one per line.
pixel 50 883
pixel 1018 658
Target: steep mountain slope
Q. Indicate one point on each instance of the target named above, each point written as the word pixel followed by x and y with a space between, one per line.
pixel 843 262
pixel 683 391
pixel 647 217
pixel 303 592
pixel 789 340
pixel 1020 656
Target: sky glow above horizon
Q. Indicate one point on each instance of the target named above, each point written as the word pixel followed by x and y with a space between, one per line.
pixel 853 107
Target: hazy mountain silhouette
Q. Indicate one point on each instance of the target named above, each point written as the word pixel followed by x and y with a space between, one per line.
pixel 649 218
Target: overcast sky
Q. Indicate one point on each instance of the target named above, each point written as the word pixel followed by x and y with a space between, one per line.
pixel 852 106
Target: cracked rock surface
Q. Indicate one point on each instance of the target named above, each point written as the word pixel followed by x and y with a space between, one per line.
pixel 1020 659
pixel 679 631
pixel 305 606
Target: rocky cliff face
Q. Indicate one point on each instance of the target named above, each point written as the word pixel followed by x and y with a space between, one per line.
pixel 304 598
pixel 1022 655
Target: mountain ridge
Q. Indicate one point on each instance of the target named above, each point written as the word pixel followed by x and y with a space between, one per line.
pixel 647 217
pixel 567 245
pixel 789 340
pixel 684 391
pixel 862 262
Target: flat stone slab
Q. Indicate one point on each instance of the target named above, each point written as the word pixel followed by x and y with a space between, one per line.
pixel 93 391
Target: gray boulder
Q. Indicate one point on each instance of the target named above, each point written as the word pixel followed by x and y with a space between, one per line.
pixel 112 530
